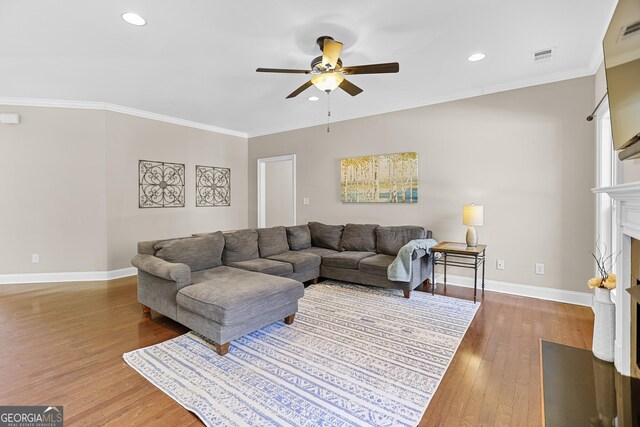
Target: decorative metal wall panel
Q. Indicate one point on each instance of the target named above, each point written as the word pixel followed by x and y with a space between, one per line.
pixel 386 178
pixel 213 186
pixel 161 185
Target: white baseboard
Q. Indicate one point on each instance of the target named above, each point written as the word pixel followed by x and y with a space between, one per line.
pixel 82 276
pixel 551 294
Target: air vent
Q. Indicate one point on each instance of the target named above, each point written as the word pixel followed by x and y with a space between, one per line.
pixel 544 55
pixel 629 31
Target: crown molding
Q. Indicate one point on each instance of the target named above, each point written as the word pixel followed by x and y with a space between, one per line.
pixel 93 105
pixel 590 70
pixel 486 90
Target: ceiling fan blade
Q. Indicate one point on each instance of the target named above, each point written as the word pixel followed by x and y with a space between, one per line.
pixel 281 70
pixel 301 89
pixel 389 67
pixel 350 88
pixel 331 53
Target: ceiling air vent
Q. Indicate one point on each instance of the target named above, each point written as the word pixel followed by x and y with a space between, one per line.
pixel 544 55
pixel 629 31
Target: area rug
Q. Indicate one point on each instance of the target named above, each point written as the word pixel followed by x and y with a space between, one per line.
pixel 355 356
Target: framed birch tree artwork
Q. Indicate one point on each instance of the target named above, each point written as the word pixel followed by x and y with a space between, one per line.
pixel 385 178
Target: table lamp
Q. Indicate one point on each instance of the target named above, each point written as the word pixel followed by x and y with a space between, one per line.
pixel 472 215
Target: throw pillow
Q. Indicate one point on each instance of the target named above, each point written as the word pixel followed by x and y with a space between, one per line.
pixel 299 237
pixel 199 253
pixel 359 237
pixel 272 241
pixel 241 245
pixel 391 239
pixel 326 236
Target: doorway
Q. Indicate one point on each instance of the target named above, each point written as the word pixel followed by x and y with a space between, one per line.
pixel 277 191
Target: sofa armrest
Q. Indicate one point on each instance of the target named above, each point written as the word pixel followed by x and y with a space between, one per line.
pixel 179 273
pixel 418 253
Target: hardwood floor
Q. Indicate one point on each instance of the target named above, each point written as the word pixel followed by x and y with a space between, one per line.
pixel 62 344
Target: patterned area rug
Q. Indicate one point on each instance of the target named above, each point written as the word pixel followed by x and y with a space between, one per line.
pixel 355 356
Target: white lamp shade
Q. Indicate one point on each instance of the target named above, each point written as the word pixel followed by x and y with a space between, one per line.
pixel 473 215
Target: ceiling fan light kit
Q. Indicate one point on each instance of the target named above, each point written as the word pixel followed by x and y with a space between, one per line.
pixel 327 70
pixel 327 82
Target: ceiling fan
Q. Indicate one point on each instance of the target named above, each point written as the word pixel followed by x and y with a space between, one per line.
pixel 328 72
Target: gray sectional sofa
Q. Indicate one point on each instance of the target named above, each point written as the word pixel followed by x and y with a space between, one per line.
pixel 225 285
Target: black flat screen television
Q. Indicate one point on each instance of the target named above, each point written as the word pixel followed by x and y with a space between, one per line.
pixel 621 47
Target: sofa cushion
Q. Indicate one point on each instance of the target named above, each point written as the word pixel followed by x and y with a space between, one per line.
pixel 320 251
pixel 300 261
pixel 359 237
pixel 389 240
pixel 326 236
pixel 299 237
pixel 241 245
pixel 229 295
pixel 272 241
pixel 376 264
pixel 263 265
pixel 198 253
pixel 349 259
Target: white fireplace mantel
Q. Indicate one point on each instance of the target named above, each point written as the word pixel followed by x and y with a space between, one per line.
pixel 627 213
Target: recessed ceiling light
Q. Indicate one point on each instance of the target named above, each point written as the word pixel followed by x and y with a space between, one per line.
pixel 133 19
pixel 477 57
pixel 313 98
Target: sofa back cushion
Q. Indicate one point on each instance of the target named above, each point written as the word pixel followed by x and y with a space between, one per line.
pixel 299 237
pixel 241 245
pixel 199 253
pixel 359 237
pixel 326 236
pixel 389 240
pixel 272 241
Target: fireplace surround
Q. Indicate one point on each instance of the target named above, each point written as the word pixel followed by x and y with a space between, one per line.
pixel 626 199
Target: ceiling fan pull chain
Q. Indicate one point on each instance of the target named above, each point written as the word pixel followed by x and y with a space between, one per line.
pixel 328 111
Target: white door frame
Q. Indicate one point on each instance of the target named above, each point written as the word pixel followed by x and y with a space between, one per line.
pixel 262 214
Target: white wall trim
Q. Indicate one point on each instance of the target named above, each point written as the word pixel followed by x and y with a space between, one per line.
pixel 590 70
pixel 91 105
pixel 551 294
pixel 471 93
pixel 81 276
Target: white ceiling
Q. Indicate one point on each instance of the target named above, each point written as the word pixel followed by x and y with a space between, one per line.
pixel 196 60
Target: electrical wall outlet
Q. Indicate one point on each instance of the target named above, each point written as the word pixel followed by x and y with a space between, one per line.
pixel 305 201
pixel 539 268
pixel 500 264
pixel 35 258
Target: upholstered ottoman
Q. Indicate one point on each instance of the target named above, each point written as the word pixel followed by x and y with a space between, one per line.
pixel 225 303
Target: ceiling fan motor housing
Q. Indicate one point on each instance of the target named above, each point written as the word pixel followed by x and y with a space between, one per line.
pixel 318 67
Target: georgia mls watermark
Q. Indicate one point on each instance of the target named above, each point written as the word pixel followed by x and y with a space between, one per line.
pixel 31 416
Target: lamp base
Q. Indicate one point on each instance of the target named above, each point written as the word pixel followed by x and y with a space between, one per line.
pixel 472 237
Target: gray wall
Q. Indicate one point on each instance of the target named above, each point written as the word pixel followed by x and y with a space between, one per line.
pixel 53 191
pixel 130 139
pixel 527 155
pixel 70 188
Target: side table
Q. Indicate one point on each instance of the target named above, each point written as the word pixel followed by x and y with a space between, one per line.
pixel 458 255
